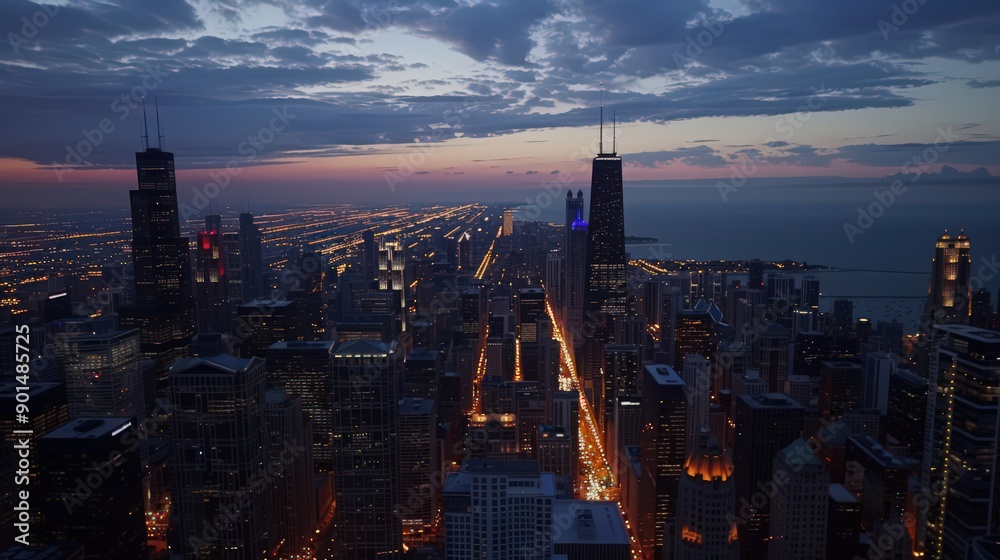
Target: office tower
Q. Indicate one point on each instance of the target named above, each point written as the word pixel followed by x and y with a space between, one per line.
pixel 841 387
pixel 697 379
pixel 605 290
pixel 421 373
pixel 251 259
pixel 103 374
pixel 810 293
pixel 210 280
pixel 474 315
pixel 962 432
pixel 878 371
pixel 369 255
pixel 555 452
pixel 772 355
pixel 220 447
pixel 263 322
pixel 697 331
pixel 508 222
pixel 566 415
pixel 418 467
pixel 492 436
pixel 530 310
pixel 290 464
pixel 981 313
pixel 781 287
pixel 305 288
pixel 843 524
pixel 706 502
pixel 588 530
pixel 577 233
pixel 621 382
pixel 765 424
pixel 671 304
pixel 907 410
pixel 234 272
pixel 885 481
pixel 303 369
pixel 498 509
pixel 800 506
pixel 949 292
pixel 391 268
pixel 164 303
pixel 104 513
pixel 664 415
pixel 365 449
pixel 811 347
pixel 843 316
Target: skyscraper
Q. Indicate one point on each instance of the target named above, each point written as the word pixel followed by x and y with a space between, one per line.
pixel 103 374
pixel 949 292
pixel 575 259
pixel 210 279
pixel 105 512
pixel 164 307
pixel 290 462
pixel 252 262
pixel 766 423
pixel 303 368
pixel 220 445
pixel 418 467
pixel 706 501
pixel 664 416
pixel 365 449
pixel 391 267
pixel 800 504
pixel 498 509
pixel 962 439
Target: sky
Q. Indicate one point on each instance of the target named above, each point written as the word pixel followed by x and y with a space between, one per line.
pixel 357 101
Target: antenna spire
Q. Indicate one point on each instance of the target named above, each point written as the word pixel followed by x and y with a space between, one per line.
pixel 614 132
pixel 159 133
pixel 145 126
pixel 601 143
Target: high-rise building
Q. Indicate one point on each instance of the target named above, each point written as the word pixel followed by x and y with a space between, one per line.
pixel 303 369
pixel 697 378
pixel 841 387
pixel 962 438
pixel 705 528
pixel 290 464
pixel 210 279
pixel 878 371
pixel 263 322
pixel 766 423
pixel 220 445
pixel 843 524
pixel 105 513
pixel 555 452
pixel 365 449
pixel 800 505
pixel 418 467
pixel 498 509
pixel 508 222
pixel 664 418
pixel 696 331
pixel 577 233
pixel 251 260
pixel 605 286
pixel 981 312
pixel 391 268
pixel 907 409
pixel 103 374
pixel 949 292
pixel 588 530
pixel 530 310
pixel 164 304
pixel 621 382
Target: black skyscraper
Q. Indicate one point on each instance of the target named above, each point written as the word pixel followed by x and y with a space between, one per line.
pixel 164 308
pixel 251 263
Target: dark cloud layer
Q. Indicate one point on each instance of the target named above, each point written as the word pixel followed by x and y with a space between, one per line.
pixel 90 61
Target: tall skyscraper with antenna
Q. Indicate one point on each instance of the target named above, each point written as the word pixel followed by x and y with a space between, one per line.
pixel 164 306
pixel 605 291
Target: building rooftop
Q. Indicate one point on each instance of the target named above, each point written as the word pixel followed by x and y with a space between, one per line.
pixel 840 494
pixel 664 374
pixel 770 400
pixel 593 522
pixel 301 344
pixel 970 332
pixel 415 406
pixel 799 453
pixel 90 428
pixel 265 304
pixel 366 348
pixel 223 362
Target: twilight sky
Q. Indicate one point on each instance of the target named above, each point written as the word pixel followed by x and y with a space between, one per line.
pixel 351 100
